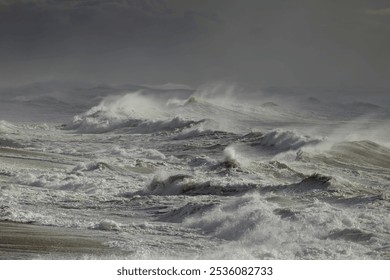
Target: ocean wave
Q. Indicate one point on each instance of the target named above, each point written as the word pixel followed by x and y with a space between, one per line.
pixel 193 133
pixel 102 125
pixel 361 155
pixel 7 132
pixel 183 184
pixel 178 215
pixel 237 218
pixel 285 140
pixel 73 182
pixel 314 182
pixel 142 113
pixel 91 166
pixel 175 102
pixel 203 129
pixel 366 153
pixel 107 225
pixel 96 123
pixel 174 125
pixel 350 234
pixel 7 127
pixel 132 113
pixel 10 143
pixel 264 230
pixel 331 189
pixel 132 153
pixel 115 112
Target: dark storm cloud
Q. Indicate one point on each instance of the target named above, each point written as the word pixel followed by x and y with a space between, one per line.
pixel 88 26
pixel 256 42
pixel 110 39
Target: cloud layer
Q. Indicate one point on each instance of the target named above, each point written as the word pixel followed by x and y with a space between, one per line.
pixel 253 42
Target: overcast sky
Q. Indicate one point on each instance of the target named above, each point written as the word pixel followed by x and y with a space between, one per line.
pixel 254 42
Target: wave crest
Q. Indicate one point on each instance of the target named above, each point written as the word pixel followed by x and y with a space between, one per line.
pixel 286 140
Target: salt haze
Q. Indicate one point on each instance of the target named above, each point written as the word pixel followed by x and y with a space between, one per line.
pixel 194 129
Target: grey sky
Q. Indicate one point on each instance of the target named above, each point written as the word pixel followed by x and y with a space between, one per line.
pixel 255 42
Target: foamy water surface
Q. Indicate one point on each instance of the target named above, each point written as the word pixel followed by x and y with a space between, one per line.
pixel 217 172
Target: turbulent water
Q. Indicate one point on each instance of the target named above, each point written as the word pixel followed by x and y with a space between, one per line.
pixel 219 172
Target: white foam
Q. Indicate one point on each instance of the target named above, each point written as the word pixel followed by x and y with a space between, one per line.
pixel 133 111
pixel 117 111
pixel 254 229
pixel 134 153
pixel 108 225
pixel 176 123
pixel 260 210
pixel 192 133
pixel 233 157
pixel 7 127
pixel 62 181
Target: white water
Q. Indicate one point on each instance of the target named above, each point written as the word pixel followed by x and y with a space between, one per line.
pixel 213 173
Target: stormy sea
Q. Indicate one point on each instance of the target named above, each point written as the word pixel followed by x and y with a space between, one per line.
pixel 215 172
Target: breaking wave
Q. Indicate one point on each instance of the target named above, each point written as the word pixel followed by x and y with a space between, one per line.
pixel 7 130
pixel 286 140
pixel 107 225
pixel 261 228
pixel 89 125
pixel 133 113
pixel 352 155
pixel 361 152
pixel 140 112
pixel 6 127
pixel 184 184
